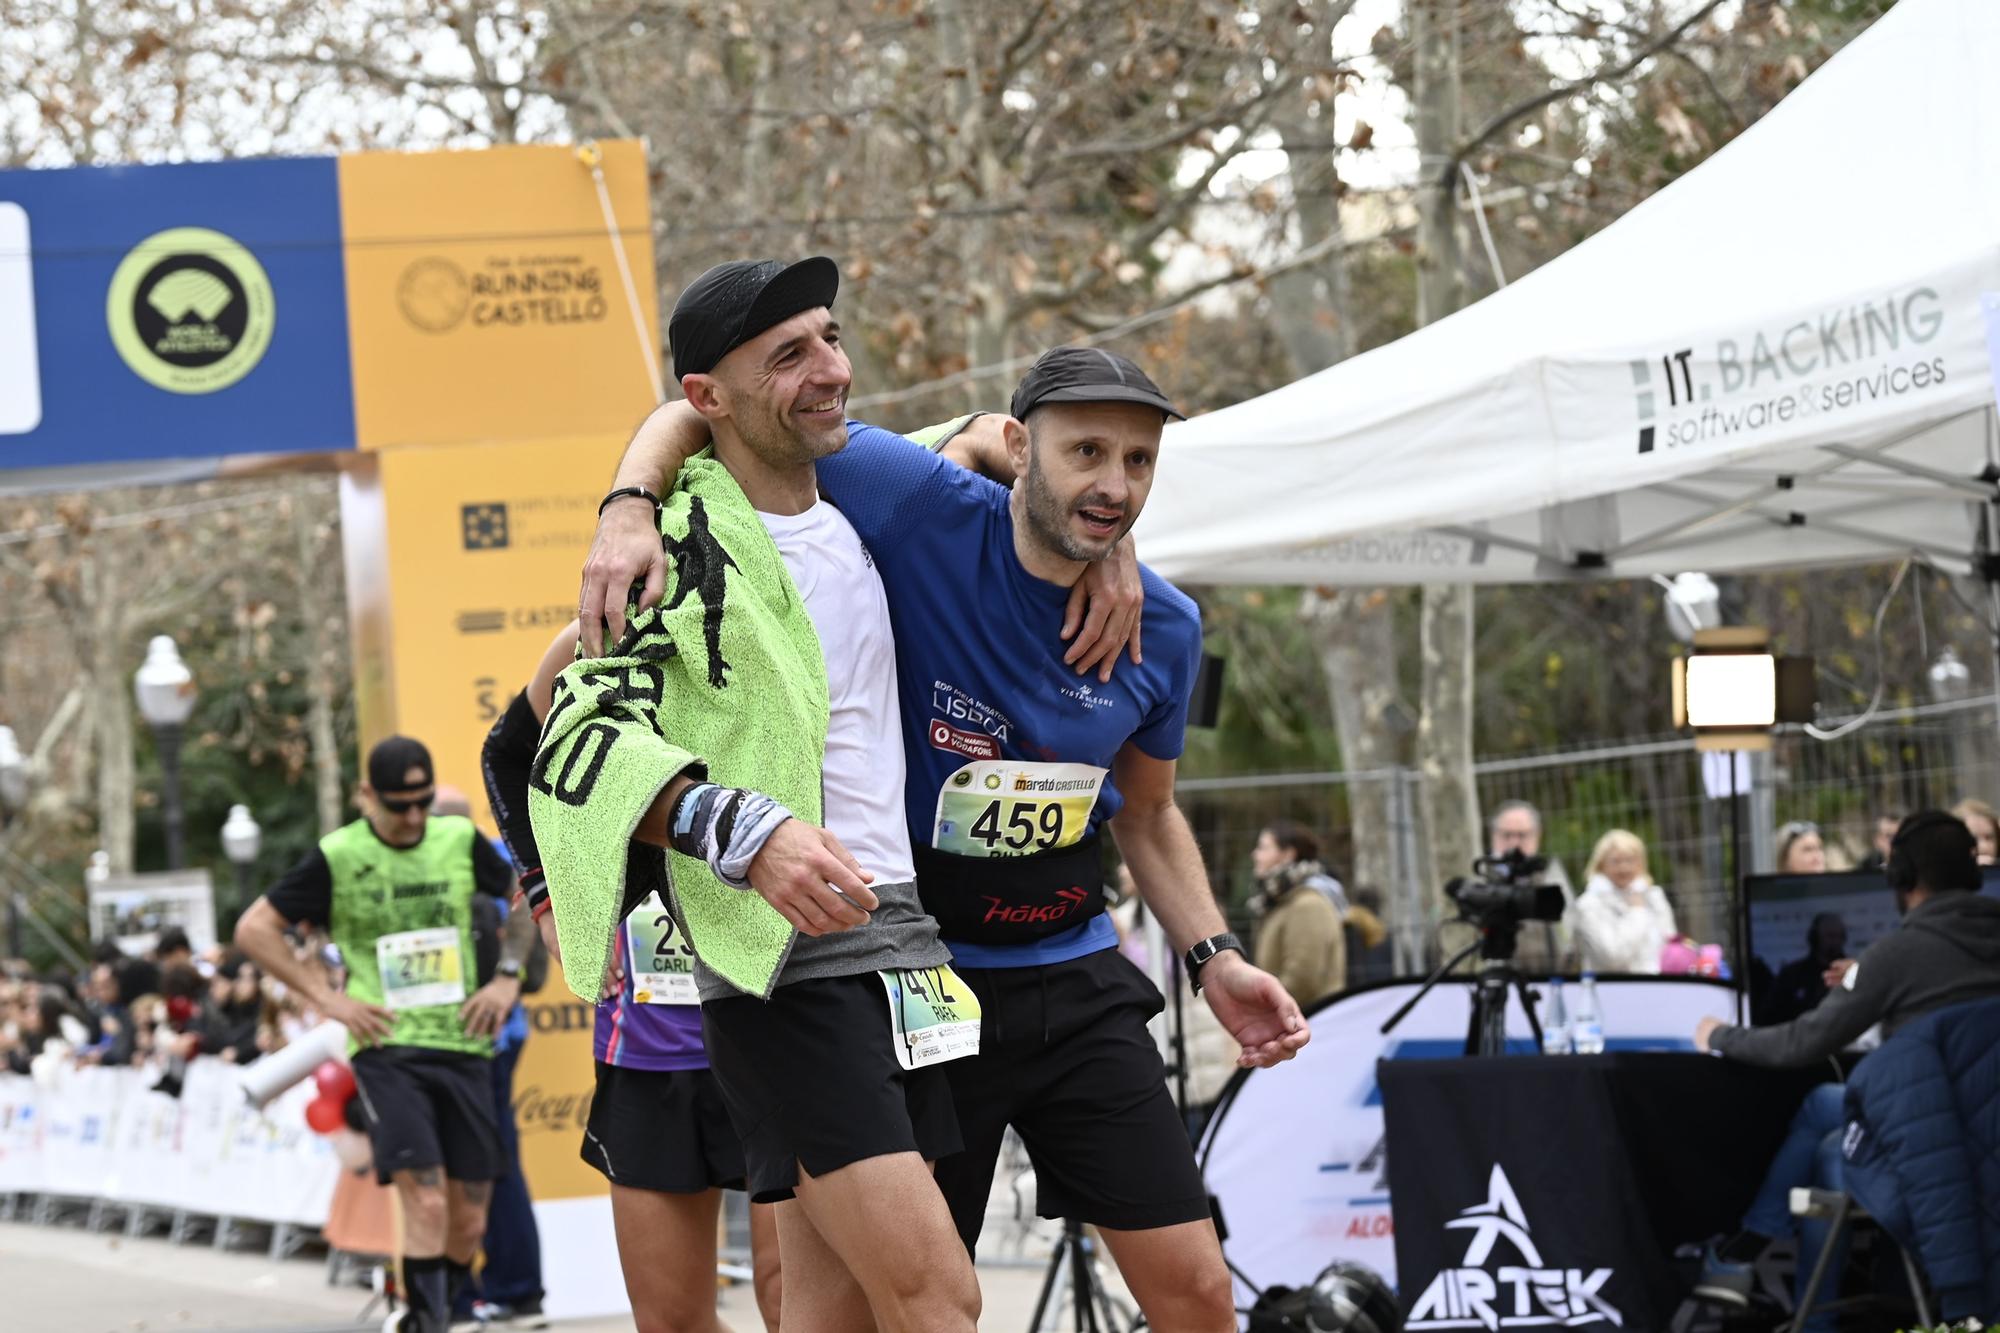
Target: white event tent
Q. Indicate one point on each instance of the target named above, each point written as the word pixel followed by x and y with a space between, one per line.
pixel 1779 360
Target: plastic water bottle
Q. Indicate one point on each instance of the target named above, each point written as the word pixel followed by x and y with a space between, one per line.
pixel 1587 1028
pixel 1555 1021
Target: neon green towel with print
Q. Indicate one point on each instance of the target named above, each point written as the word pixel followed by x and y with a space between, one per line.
pixel 380 892
pixel 725 673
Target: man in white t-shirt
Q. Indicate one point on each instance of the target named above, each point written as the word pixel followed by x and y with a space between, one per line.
pixel 837 1129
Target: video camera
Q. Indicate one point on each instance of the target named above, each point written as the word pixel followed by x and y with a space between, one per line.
pixel 1501 893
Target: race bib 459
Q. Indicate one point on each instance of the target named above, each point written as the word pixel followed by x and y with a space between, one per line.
pixel 1003 808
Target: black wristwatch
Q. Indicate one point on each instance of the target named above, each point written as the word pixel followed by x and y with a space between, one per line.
pixel 1204 952
pixel 507 967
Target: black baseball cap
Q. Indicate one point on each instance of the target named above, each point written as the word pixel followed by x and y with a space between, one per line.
pixel 390 762
pixel 1087 375
pixel 732 303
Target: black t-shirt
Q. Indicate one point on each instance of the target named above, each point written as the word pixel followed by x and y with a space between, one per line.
pixel 305 893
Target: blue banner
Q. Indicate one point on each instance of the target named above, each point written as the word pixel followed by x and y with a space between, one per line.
pixel 168 312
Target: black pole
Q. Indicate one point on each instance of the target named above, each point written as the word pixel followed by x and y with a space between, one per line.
pixel 13 904
pixel 169 740
pixel 1739 913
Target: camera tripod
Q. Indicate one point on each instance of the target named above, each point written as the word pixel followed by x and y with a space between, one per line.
pixel 1486 1034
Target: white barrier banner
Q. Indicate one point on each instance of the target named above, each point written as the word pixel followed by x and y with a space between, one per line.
pixel 1297 1158
pixel 103 1134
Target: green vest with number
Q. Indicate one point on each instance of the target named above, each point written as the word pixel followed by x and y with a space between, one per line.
pixel 381 891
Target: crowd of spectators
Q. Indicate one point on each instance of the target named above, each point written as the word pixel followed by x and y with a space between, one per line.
pixel 155 1010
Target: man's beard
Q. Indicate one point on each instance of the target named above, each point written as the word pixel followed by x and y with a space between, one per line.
pixel 1049 520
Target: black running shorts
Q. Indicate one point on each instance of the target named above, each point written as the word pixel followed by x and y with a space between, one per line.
pixel 664 1130
pixel 810 1079
pixel 1065 1058
pixel 425 1109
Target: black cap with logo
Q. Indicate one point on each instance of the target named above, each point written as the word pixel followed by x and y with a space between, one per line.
pixel 1087 375
pixel 732 303
pixel 390 762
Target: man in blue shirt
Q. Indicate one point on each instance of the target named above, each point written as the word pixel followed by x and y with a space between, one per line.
pixel 1015 762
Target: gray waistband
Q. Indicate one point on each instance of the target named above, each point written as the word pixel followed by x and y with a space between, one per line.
pixel 899 933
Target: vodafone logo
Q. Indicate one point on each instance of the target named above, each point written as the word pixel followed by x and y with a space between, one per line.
pixel 971 744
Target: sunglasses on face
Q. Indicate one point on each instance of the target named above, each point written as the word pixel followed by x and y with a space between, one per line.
pixel 404 805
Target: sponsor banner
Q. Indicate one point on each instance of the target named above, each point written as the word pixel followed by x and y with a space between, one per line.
pixel 552 1087
pixel 313 305
pixel 1297 1153
pixel 485 296
pixel 132 910
pixel 468 563
pixel 96 1133
pixel 204 299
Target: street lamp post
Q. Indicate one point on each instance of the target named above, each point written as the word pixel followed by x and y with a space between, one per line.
pixel 241 838
pixel 13 796
pixel 165 690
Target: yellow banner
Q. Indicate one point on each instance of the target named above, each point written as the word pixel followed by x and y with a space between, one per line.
pixel 485 298
pixel 552 1087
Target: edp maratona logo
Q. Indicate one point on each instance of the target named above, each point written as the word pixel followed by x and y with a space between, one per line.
pixel 1526 1294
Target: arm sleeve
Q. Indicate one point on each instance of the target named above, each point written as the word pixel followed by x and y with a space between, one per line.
pixel 1163 733
pixel 305 893
pixel 888 486
pixel 1838 1020
pixel 491 875
pixel 505 760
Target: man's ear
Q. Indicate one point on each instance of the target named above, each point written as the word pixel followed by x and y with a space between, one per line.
pixel 706 395
pixel 1015 436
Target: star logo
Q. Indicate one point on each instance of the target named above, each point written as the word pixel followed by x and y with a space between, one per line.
pixel 483 527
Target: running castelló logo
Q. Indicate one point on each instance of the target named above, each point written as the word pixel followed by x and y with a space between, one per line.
pixel 1525 1295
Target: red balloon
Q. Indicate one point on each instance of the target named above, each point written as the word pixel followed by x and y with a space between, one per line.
pixel 325 1115
pixel 335 1082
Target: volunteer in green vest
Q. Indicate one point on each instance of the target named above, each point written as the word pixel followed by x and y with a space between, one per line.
pixel 394 889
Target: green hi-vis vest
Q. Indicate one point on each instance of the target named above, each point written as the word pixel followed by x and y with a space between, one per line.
pixel 380 892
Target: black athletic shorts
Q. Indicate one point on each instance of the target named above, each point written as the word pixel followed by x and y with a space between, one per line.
pixel 1065 1058
pixel 810 1079
pixel 664 1130
pixel 426 1108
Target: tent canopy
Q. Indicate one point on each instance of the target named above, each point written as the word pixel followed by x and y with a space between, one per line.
pixel 1779 360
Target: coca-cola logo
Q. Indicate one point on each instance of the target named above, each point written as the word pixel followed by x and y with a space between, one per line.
pixel 540 1112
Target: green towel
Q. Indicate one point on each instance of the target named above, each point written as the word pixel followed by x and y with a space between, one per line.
pixel 727 668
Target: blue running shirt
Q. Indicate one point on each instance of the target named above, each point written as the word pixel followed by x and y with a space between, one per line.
pixel 984 688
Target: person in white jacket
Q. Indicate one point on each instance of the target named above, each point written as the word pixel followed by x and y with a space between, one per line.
pixel 1622 920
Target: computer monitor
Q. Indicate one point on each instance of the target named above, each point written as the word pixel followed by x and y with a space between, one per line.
pixel 1781 909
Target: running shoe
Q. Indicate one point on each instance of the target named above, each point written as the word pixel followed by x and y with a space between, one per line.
pixel 1725 1279
pixel 493 1314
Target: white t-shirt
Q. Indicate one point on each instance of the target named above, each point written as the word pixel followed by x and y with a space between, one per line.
pixel 863 778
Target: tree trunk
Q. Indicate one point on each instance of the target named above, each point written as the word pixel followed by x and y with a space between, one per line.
pixel 982 261
pixel 1444 732
pixel 111 705
pixel 320 654
pixel 1355 633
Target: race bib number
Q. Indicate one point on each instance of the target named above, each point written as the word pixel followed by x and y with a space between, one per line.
pixel 420 967
pixel 933 1016
pixel 999 808
pixel 662 962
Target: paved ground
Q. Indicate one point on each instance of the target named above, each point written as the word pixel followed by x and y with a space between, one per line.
pixel 64 1280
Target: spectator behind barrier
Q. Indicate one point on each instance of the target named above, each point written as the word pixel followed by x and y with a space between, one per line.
pixel 1801 849
pixel 1622 921
pixel 1298 907
pixel 1886 825
pixel 1370 956
pixel 1985 825
pixel 1946 952
pixel 1544 946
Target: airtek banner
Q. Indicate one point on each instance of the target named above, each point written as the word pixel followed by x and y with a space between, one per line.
pixel 1298 1155
pixel 315 305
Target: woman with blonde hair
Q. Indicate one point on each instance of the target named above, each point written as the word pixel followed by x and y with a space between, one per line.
pixel 1985 825
pixel 1622 920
